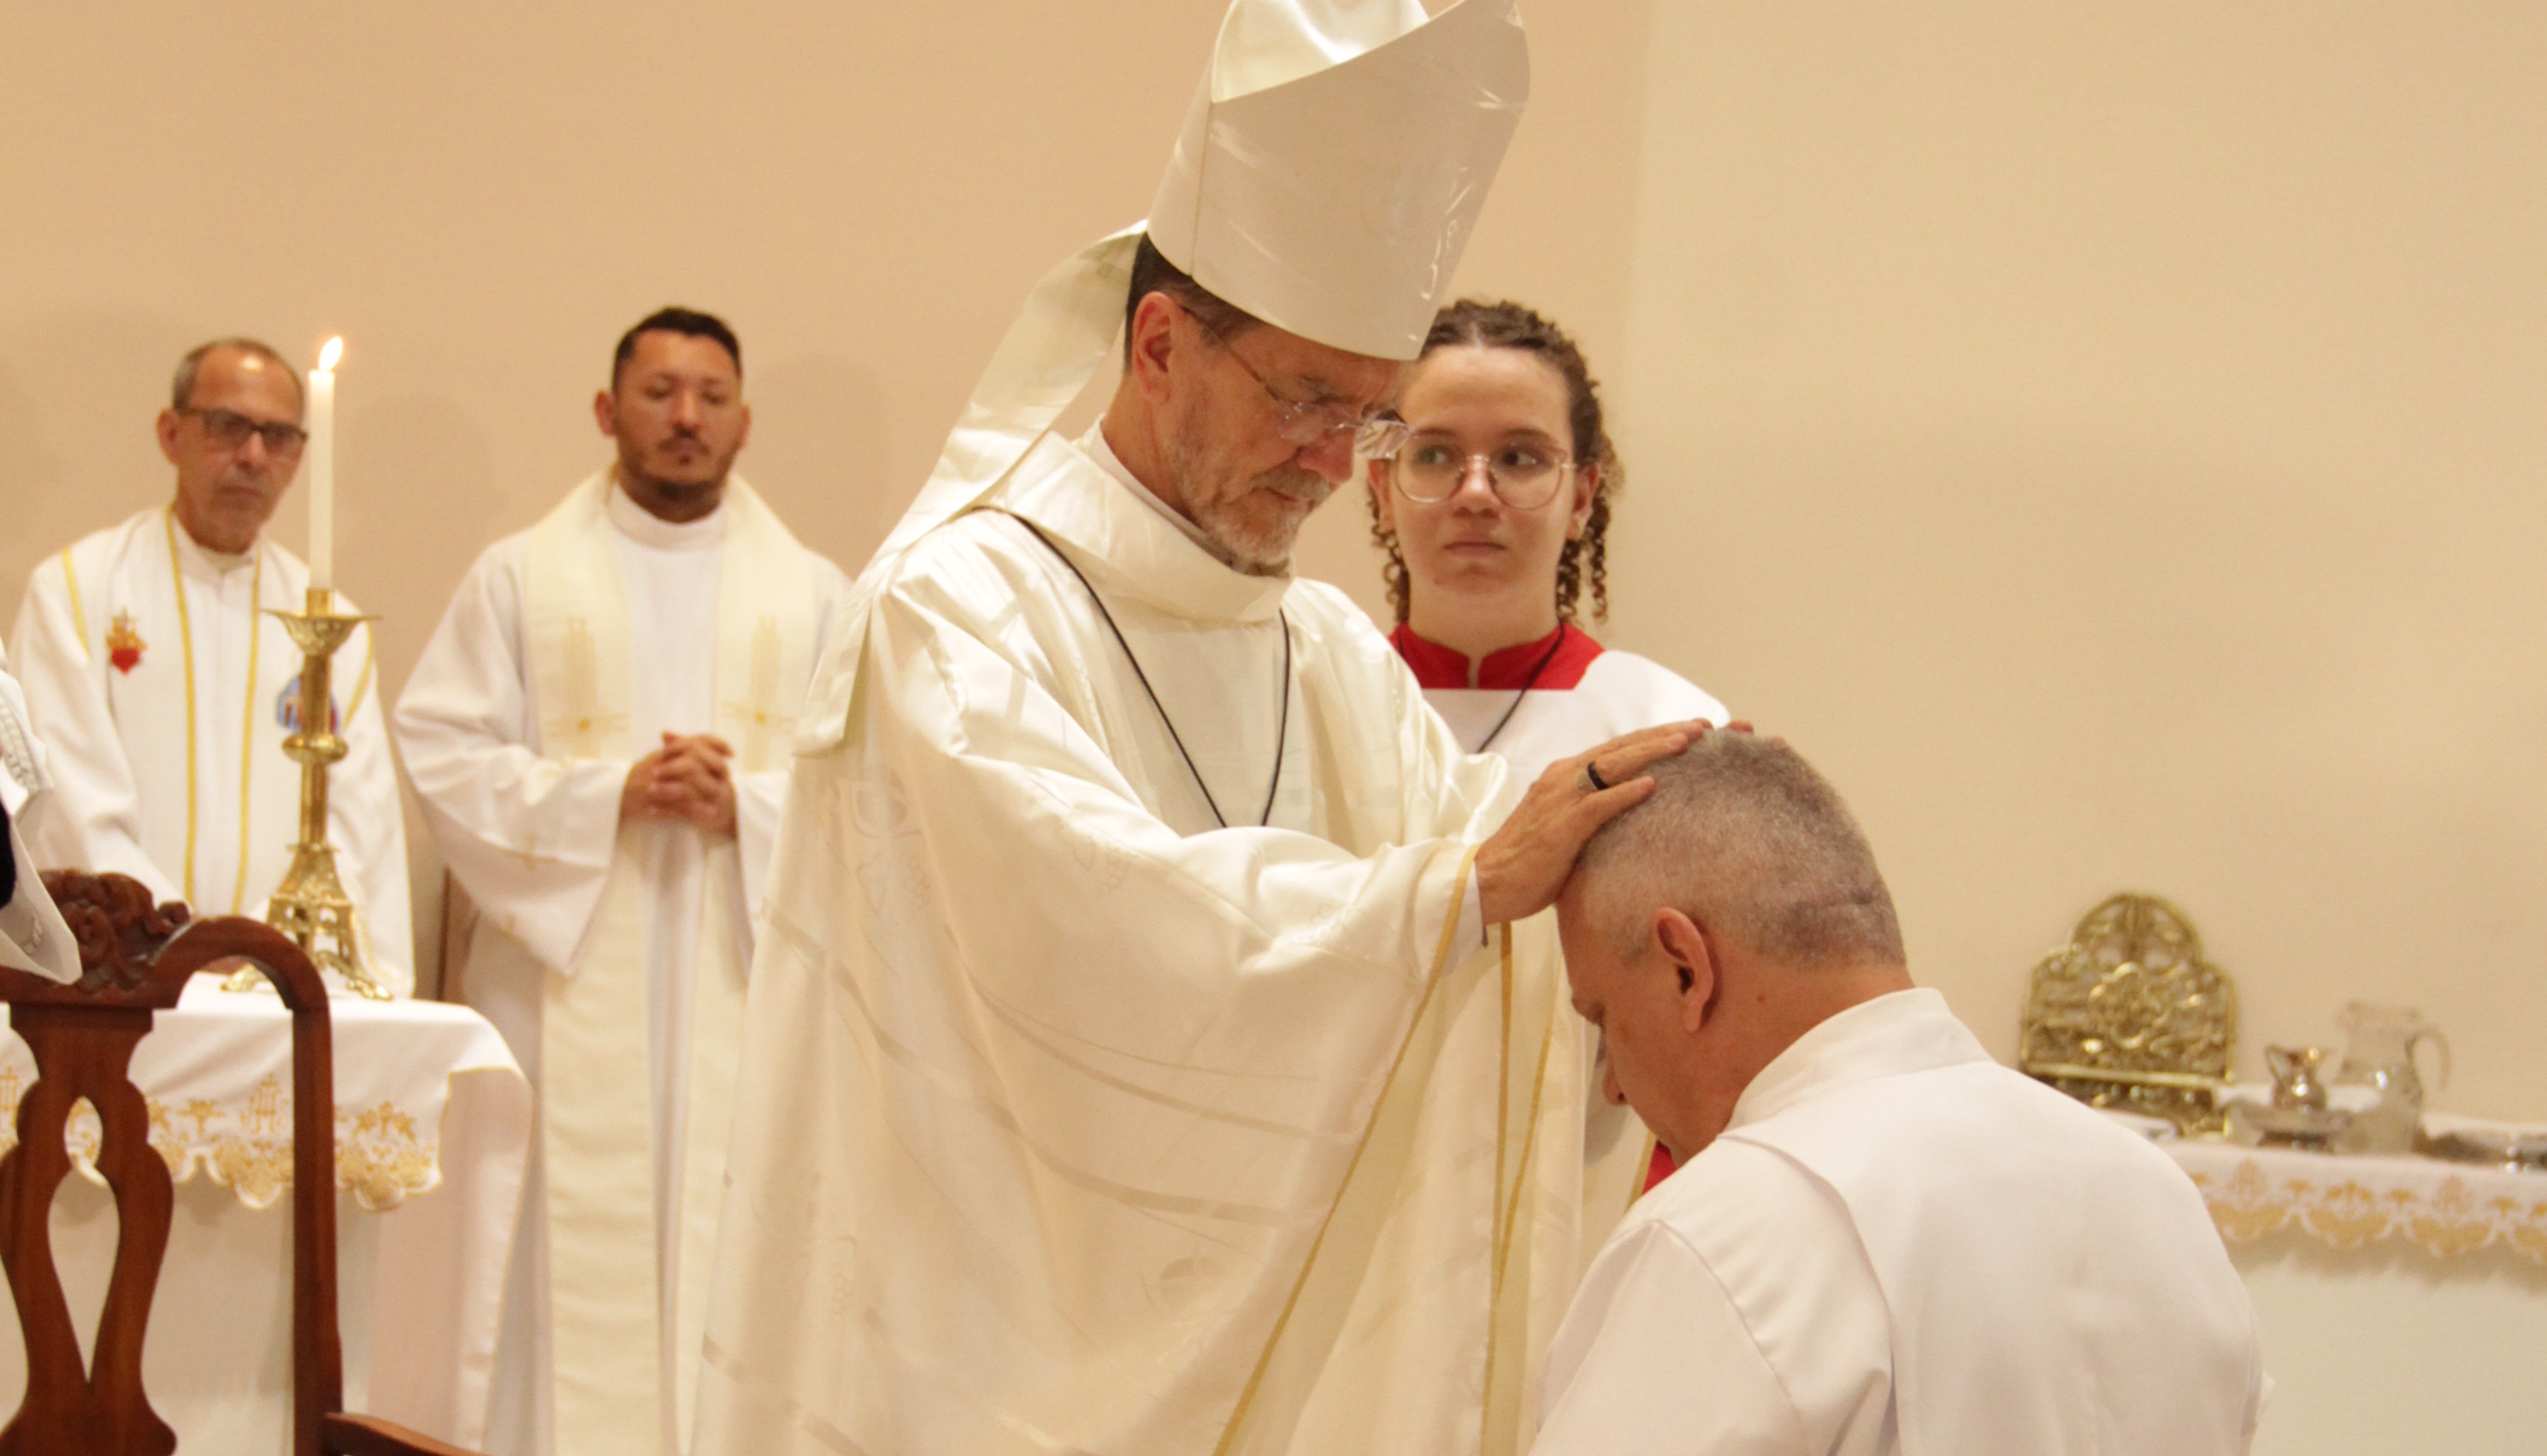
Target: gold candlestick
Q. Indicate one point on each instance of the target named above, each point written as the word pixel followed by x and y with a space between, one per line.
pixel 310 905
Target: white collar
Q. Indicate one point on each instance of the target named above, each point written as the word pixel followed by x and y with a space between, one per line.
pixel 1094 446
pixel 647 528
pixel 1128 546
pixel 219 564
pixel 1897 1032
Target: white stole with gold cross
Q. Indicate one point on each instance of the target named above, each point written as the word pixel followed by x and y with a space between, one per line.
pixel 611 1348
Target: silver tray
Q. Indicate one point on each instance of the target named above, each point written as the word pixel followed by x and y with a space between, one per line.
pixel 2268 1125
pixel 2518 1148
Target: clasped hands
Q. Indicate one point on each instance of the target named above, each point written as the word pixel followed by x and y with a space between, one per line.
pixel 1523 866
pixel 688 779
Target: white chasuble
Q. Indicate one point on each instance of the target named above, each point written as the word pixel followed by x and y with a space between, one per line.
pixel 613 955
pixel 1073 1121
pixel 163 689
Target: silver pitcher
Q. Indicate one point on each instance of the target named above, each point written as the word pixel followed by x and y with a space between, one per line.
pixel 2379 1053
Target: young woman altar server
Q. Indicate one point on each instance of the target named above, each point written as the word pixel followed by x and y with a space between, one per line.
pixel 1494 515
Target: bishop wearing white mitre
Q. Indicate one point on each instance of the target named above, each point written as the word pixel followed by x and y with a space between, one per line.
pixel 1130 1067
pixel 599 731
pixel 32 937
pixel 163 687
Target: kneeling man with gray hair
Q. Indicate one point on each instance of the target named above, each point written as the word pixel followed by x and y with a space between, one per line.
pixel 1879 1240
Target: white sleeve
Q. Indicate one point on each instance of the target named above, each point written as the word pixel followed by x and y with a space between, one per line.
pixel 32 937
pixel 1654 1360
pixel 91 818
pixel 529 837
pixel 22 753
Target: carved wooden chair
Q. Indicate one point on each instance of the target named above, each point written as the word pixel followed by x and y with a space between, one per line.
pixel 135 959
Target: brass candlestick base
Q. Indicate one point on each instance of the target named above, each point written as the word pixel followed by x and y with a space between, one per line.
pixel 310 905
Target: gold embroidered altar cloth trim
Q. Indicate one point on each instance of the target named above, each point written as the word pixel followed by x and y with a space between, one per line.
pixel 2449 1210
pixel 216 1074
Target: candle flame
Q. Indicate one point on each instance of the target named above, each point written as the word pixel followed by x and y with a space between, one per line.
pixel 328 356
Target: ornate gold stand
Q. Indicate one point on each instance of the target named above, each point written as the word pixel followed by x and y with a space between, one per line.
pixel 2129 1016
pixel 311 906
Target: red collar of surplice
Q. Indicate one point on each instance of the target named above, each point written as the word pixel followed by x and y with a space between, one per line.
pixel 1506 669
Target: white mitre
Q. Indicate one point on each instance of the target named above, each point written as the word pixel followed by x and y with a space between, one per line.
pixel 1335 159
pixel 1326 182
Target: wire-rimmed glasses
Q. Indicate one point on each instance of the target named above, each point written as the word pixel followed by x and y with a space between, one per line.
pixel 1305 424
pixel 1431 471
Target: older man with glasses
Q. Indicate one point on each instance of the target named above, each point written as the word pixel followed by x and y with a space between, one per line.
pixel 163 689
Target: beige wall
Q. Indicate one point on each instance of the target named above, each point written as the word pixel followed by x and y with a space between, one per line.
pixel 2108 438
pixel 2112 439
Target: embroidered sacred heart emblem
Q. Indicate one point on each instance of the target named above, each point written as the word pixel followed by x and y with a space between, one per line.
pixel 124 644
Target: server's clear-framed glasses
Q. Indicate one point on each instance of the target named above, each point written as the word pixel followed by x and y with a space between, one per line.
pixel 1305 424
pixel 1431 471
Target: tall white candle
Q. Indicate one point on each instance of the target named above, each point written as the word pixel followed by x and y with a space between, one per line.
pixel 322 466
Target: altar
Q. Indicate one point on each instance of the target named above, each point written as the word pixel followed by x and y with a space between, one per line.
pixel 2403 1300
pixel 433 1121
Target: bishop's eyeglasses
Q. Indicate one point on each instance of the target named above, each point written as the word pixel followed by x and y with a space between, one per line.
pixel 1303 424
pixel 1431 471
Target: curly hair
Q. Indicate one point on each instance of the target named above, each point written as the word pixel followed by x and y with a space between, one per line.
pixel 1504 324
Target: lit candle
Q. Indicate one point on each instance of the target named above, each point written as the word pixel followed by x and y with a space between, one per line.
pixel 322 468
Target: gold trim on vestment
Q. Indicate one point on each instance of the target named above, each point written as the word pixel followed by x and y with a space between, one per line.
pixel 1503 1109
pixel 247 730
pixel 1510 1212
pixel 361 684
pixel 79 614
pixel 186 631
pixel 1432 984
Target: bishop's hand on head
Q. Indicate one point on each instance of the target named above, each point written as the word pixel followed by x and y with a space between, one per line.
pixel 1521 869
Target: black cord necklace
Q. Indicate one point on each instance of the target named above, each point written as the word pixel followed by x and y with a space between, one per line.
pixel 1526 684
pixel 1281 727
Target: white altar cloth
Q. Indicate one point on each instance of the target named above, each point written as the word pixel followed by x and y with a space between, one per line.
pixel 433 1123
pixel 2403 1301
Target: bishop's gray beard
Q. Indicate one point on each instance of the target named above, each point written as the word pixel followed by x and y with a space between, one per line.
pixel 1233 515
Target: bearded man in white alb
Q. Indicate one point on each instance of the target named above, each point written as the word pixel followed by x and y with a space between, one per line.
pixel 1879 1240
pixel 1130 1067
pixel 163 687
pixel 598 733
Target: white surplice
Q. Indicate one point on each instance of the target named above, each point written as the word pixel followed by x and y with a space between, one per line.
pixel 1073 1121
pixel 163 689
pixel 32 937
pixel 1533 703
pixel 1899 1245
pixel 523 794
pixel 1618 692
